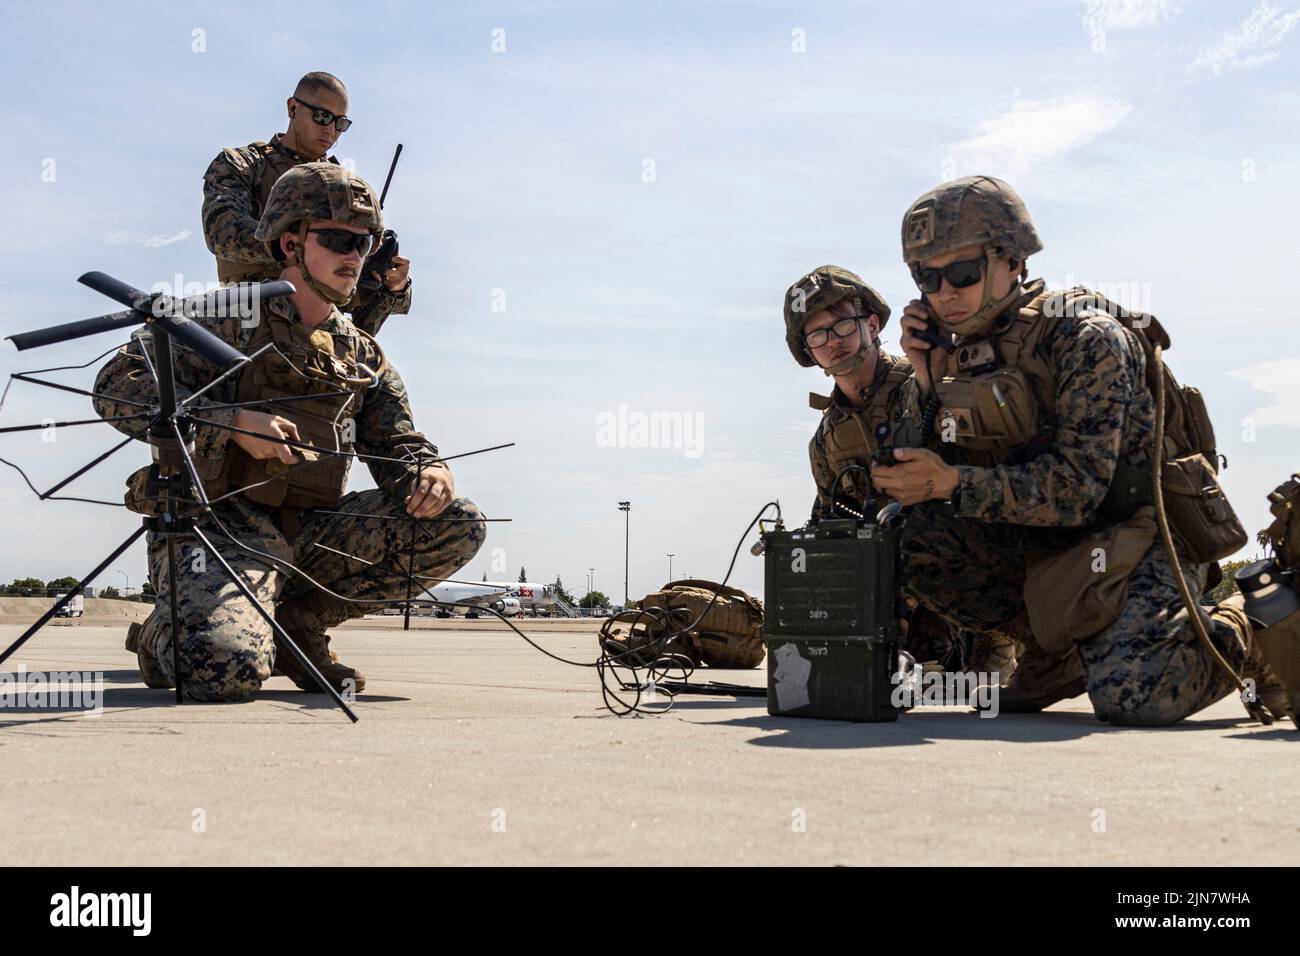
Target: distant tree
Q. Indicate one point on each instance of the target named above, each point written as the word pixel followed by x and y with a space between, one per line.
pixel 594 599
pixel 148 590
pixel 62 584
pixel 522 576
pixel 26 586
pixel 484 575
pixel 1262 538
pixel 1228 586
pixel 110 592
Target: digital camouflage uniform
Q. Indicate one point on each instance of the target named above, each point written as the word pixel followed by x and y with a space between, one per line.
pixel 227 648
pixel 235 188
pixel 967 560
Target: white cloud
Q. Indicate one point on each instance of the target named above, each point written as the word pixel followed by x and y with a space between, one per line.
pixel 1281 378
pixel 146 242
pixel 1032 131
pixel 1255 42
pixel 1128 14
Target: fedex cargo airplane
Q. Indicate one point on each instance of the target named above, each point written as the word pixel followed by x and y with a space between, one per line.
pixel 512 596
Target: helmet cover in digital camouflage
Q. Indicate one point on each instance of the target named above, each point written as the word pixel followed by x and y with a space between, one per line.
pixel 318 191
pixel 819 290
pixel 973 211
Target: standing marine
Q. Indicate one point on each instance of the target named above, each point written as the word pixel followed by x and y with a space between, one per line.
pixel 239 181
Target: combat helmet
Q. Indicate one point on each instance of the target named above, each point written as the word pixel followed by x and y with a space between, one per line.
pixel 973 211
pixel 819 290
pixel 318 191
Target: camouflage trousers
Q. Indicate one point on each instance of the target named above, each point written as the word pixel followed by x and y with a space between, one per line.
pixel 227 647
pixel 1148 668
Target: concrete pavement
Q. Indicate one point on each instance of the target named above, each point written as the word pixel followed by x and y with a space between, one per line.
pixel 474 748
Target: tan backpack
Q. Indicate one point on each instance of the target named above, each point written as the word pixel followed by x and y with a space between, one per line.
pixel 729 635
pixel 1204 524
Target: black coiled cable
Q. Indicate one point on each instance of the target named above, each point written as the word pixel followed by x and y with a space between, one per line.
pixel 652 655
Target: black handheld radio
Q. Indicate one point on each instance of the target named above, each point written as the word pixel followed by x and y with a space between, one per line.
pixel 381 260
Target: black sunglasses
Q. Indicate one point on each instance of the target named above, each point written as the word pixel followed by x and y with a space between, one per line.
pixel 340 240
pixel 324 117
pixel 960 275
pixel 842 329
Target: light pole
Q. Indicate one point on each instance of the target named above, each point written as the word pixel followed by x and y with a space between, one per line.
pixel 670 567
pixel 591 585
pixel 126 588
pixel 626 508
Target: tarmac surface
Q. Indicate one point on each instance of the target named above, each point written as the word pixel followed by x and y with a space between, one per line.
pixel 473 748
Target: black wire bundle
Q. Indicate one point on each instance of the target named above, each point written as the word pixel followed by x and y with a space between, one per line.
pixel 649 651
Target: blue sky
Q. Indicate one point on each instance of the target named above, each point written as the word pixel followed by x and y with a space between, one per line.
pixel 1155 144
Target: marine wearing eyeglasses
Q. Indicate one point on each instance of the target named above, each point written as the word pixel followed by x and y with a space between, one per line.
pixel 833 321
pixel 239 180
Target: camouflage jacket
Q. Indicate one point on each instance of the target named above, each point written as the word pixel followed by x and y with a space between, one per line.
pixel 383 421
pixel 235 188
pixel 848 435
pixel 1102 418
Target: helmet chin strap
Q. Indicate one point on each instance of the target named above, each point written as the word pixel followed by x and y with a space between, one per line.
pixel 854 361
pixel 332 296
pixel 989 310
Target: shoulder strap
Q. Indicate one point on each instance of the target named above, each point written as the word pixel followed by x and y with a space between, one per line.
pixel 818 401
pixel 1032 322
pixel 1019 344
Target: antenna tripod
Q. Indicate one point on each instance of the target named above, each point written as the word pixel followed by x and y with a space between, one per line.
pixel 173 480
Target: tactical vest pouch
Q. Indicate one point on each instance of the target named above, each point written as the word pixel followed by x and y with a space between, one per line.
pixel 1073 594
pixel 1204 526
pixel 849 443
pixel 995 410
pixel 303 364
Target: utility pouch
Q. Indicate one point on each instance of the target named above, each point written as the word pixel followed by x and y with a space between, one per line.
pixel 994 410
pixel 1073 594
pixel 1204 526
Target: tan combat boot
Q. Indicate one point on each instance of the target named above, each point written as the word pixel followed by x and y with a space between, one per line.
pixel 140 639
pixel 316 647
pixel 1041 679
pixel 995 652
pixel 1268 689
